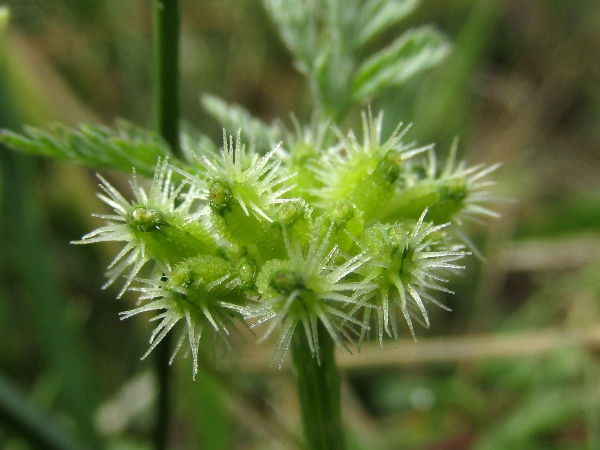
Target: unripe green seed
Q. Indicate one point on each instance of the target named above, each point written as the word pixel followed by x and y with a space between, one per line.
pixel 169 237
pixel 390 166
pixel 289 213
pixel 341 213
pixel 219 195
pixel 246 271
pixel 147 219
pixel 265 283
pixel 444 197
pixel 195 274
pixel 285 281
pixel 453 189
pixel 182 276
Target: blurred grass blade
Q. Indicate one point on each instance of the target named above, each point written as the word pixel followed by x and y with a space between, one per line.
pixel 4 18
pixel 212 420
pixel 414 51
pixel 453 109
pixel 26 421
pixel 63 345
pixel 540 413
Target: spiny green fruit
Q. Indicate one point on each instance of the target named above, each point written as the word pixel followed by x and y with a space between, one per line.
pixel 204 292
pixel 156 226
pixel 364 174
pixel 307 286
pixel 343 232
pixel 403 265
pixel 454 192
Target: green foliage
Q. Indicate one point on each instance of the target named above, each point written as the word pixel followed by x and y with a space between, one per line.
pixel 95 145
pixel 320 229
pixel 413 52
pixel 4 19
pixel 522 89
pixel 328 40
pixel 331 252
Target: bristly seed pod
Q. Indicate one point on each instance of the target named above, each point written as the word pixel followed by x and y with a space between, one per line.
pixel 154 226
pixel 308 287
pixel 368 231
pixel 202 292
pixel 403 266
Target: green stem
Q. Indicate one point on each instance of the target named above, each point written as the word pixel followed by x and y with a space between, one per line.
pixel 163 408
pixel 318 385
pixel 166 72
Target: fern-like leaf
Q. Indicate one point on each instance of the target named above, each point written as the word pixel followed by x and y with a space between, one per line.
pixel 95 145
pixel 328 37
pixel 376 16
pixel 414 51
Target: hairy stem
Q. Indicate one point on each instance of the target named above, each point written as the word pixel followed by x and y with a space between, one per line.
pixel 166 72
pixel 318 384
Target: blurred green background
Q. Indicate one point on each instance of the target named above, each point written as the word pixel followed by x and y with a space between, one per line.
pixel 514 366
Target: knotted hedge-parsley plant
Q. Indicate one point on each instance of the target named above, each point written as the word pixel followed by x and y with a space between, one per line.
pixel 319 235
pixel 306 233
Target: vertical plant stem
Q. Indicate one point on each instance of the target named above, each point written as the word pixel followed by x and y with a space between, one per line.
pixel 163 412
pixel 166 72
pixel 318 384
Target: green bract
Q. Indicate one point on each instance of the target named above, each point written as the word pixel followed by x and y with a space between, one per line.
pixel 341 233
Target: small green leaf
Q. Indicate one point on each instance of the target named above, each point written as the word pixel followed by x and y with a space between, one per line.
pixel 377 16
pixel 413 52
pixel 94 145
pixel 297 26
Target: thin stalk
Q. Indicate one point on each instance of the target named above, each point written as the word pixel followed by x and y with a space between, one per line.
pixel 166 73
pixel 166 70
pixel 318 384
pixel 163 408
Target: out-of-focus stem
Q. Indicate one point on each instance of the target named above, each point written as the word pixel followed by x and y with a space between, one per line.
pixel 166 73
pixel 318 384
